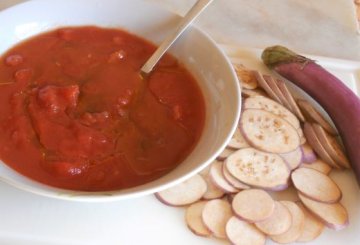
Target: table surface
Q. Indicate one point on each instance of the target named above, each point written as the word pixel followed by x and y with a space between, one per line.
pixel 255 23
pixel 320 27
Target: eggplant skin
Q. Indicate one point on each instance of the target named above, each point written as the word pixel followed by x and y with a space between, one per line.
pixel 340 102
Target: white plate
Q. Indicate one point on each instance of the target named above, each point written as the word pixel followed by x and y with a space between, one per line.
pixel 27 219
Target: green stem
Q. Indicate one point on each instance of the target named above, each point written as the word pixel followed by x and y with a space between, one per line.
pixel 275 55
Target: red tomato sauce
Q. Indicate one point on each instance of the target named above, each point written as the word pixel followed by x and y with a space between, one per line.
pixel 76 114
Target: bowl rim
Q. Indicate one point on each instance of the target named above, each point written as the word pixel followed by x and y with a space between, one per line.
pixel 41 189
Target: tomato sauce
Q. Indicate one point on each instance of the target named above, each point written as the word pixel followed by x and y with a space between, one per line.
pixel 76 114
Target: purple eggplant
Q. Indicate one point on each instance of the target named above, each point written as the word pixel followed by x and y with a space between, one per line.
pixel 340 102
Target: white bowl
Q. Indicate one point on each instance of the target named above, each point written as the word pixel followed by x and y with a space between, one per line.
pixel 194 49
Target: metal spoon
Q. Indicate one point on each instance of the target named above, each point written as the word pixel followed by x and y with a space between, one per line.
pixel 194 12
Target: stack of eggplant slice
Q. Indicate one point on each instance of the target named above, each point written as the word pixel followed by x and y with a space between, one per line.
pixel 282 144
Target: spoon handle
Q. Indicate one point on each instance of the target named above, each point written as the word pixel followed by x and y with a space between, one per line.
pixel 198 7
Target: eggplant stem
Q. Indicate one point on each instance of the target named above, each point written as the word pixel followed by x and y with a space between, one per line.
pixel 275 55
